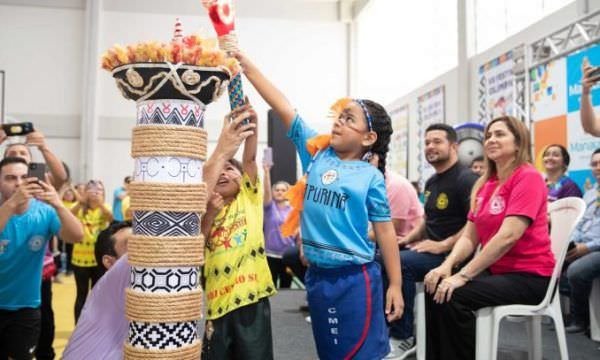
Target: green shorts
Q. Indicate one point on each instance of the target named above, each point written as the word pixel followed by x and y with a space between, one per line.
pixel 244 333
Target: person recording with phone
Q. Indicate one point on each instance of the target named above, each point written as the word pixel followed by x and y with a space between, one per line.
pixel 590 76
pixel 57 172
pixel 31 213
pixel 57 176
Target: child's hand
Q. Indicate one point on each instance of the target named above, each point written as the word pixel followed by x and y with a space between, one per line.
pixel 215 204
pixel 394 303
pixel 234 132
pixel 245 63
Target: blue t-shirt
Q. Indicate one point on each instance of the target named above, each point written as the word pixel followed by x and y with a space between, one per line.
pixel 341 198
pixel 23 242
pixel 117 204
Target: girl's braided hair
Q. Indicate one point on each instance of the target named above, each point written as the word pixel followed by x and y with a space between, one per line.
pixel 382 126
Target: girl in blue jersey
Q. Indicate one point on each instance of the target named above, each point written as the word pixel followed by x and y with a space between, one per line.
pixel 334 202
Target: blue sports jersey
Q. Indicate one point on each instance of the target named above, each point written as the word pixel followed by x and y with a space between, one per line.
pixel 23 242
pixel 341 198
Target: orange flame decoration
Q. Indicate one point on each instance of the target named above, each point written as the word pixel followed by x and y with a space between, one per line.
pixel 190 49
pixel 295 195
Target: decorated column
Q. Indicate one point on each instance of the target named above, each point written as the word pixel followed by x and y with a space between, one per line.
pixel 172 84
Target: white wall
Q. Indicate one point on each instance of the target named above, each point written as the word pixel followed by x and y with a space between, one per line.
pixel 41 52
pixel 42 48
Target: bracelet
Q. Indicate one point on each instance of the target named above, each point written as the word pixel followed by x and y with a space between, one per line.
pixel 464 275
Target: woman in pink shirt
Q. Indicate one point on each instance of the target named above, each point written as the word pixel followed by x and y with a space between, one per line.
pixel 508 219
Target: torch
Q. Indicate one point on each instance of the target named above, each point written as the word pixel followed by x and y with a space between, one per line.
pixel 222 16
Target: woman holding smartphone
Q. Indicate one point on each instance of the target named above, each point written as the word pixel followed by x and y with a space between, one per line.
pixel 95 216
pixel 276 210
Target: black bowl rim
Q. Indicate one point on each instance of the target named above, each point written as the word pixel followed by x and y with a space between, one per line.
pixel 163 64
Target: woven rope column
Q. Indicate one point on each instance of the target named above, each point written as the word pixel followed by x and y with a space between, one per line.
pixel 164 301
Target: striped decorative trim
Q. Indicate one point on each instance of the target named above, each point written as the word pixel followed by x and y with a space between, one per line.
pixel 155 308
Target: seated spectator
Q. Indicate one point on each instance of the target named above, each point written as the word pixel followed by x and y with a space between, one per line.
pixel 446 207
pixel 478 165
pixel 31 213
pixel 556 162
pixel 276 210
pixel 508 219
pixel 102 328
pixel 583 260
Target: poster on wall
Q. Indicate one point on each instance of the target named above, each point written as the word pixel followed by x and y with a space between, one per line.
pixel 430 110
pixel 397 160
pixel 496 88
pixel 555 104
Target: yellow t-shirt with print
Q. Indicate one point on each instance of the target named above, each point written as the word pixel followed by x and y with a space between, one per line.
pixel 93 222
pixel 235 264
pixel 125 205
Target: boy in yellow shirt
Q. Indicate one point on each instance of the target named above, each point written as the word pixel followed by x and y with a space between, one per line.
pixel 238 280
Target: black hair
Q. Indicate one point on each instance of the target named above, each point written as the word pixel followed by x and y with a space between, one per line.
pixel 597 151
pixel 450 132
pixel 563 152
pixel 237 164
pixel 477 158
pixel 11 160
pixel 127 179
pixel 105 244
pixel 382 126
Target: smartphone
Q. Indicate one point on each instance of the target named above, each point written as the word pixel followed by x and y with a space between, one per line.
pixel 18 129
pixel 37 170
pixel 268 156
pixel 594 73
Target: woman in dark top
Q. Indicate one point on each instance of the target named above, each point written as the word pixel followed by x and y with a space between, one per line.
pixel 556 162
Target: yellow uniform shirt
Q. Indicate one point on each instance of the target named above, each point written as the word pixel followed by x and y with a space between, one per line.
pixel 235 267
pixel 93 222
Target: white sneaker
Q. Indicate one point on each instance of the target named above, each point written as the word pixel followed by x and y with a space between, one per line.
pixel 401 349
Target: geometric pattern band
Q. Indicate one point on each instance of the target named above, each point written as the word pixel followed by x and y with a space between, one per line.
pixel 161 336
pixel 164 280
pixel 168 169
pixel 170 112
pixel 166 223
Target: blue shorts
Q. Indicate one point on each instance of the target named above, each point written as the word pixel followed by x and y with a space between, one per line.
pixel 347 312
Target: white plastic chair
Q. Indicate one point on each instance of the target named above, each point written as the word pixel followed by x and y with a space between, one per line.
pixel 595 310
pixel 564 214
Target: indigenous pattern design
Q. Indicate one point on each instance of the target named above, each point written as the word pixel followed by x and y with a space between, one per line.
pixel 170 112
pixel 164 280
pixel 166 223
pixel 168 169
pixel 162 335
